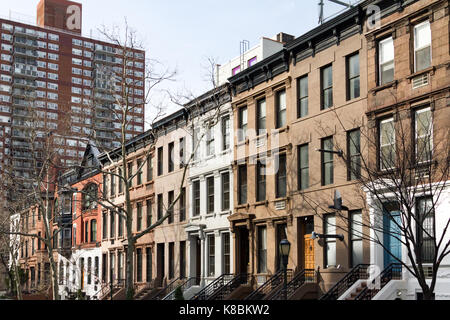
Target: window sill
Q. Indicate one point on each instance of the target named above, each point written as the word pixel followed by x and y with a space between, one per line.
pixel 392 84
pixel 429 70
pixel 241 143
pixel 261 203
pixel 280 130
pixel 224 213
pixel 242 206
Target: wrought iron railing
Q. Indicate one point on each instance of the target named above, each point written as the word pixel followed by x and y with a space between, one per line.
pixel 357 273
pixel 193 281
pixel 222 292
pixel 164 291
pixel 304 276
pixel 206 292
pixel 270 285
pixel 392 272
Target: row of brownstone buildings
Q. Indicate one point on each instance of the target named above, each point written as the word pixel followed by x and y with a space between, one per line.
pixel 264 172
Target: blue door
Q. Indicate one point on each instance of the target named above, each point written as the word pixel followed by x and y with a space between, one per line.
pixel 392 232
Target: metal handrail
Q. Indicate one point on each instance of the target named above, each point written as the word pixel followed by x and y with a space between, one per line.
pixel 392 272
pixel 304 276
pixel 184 286
pixel 213 286
pixel 357 273
pixel 228 288
pixel 163 292
pixel 271 284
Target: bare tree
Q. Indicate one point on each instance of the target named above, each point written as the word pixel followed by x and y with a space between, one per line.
pixel 123 104
pixel 400 167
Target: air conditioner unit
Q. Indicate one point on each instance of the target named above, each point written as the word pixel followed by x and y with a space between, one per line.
pixel 260 142
pixel 420 81
pixel 280 205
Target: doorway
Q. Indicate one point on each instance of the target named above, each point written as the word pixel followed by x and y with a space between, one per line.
pixel 243 250
pixel 392 233
pixel 306 243
pixel 160 263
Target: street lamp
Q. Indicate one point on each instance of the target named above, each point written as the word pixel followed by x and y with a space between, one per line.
pixel 285 247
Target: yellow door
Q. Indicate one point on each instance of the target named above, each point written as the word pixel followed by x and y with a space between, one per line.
pixel 309 252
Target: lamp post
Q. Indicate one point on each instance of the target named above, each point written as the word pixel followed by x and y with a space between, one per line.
pixel 285 247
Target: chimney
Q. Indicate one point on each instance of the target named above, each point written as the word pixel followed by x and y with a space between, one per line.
pixel 284 37
pixel 60 14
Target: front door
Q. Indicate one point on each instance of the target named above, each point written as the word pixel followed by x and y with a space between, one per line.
pixel 160 263
pixel 243 250
pixel 309 252
pixel 392 235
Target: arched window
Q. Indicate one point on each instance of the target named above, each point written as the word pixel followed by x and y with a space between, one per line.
pixel 86 231
pixel 93 230
pixel 90 197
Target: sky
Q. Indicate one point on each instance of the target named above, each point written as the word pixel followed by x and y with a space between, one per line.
pixel 182 34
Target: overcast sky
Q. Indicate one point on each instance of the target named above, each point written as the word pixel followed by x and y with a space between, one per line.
pixel 182 34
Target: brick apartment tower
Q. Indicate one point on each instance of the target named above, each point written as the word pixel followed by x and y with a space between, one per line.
pixel 55 72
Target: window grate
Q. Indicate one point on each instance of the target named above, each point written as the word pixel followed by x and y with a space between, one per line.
pixel 420 81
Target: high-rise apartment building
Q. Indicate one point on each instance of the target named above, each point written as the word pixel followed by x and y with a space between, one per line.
pixel 54 80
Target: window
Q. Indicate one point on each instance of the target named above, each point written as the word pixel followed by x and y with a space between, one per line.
pixel 302 87
pixel 353 88
pixel 262 249
pixel 93 231
pixel 130 174
pixel 386 61
pixel 424 135
pixel 139 216
pixel 160 161
pixel 196 198
pixel 171 156
pixel 326 83
pixel 195 143
pixel 211 255
pixel 425 228
pixel 236 70
pixel 104 227
pixel 112 224
pixel 139 174
pixel 226 133
pixel 252 61
pixel 330 243
pixel 89 271
pixel 281 177
pixel 225 191
pixel 120 181
pixel 171 260
pixel 260 181
pixel 387 157
pixel 139 265
pixel 303 167
pixel 160 206
pixel 327 162
pixel 356 238
pixel 112 180
pixel 242 178
pixel 182 201
pixel 181 153
pixel 354 154
pixel 171 197
pixel 120 223
pixel 422 46
pixel 242 129
pixel 261 117
pixel 210 194
pixel 280 105
pixel 148 205
pixel 182 259
pixel 226 268
pixel 210 142
pixel 148 264
pixel 149 169
pixel 90 197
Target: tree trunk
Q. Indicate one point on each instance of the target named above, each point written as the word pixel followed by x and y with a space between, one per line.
pixel 54 276
pixel 130 267
pixel 17 282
